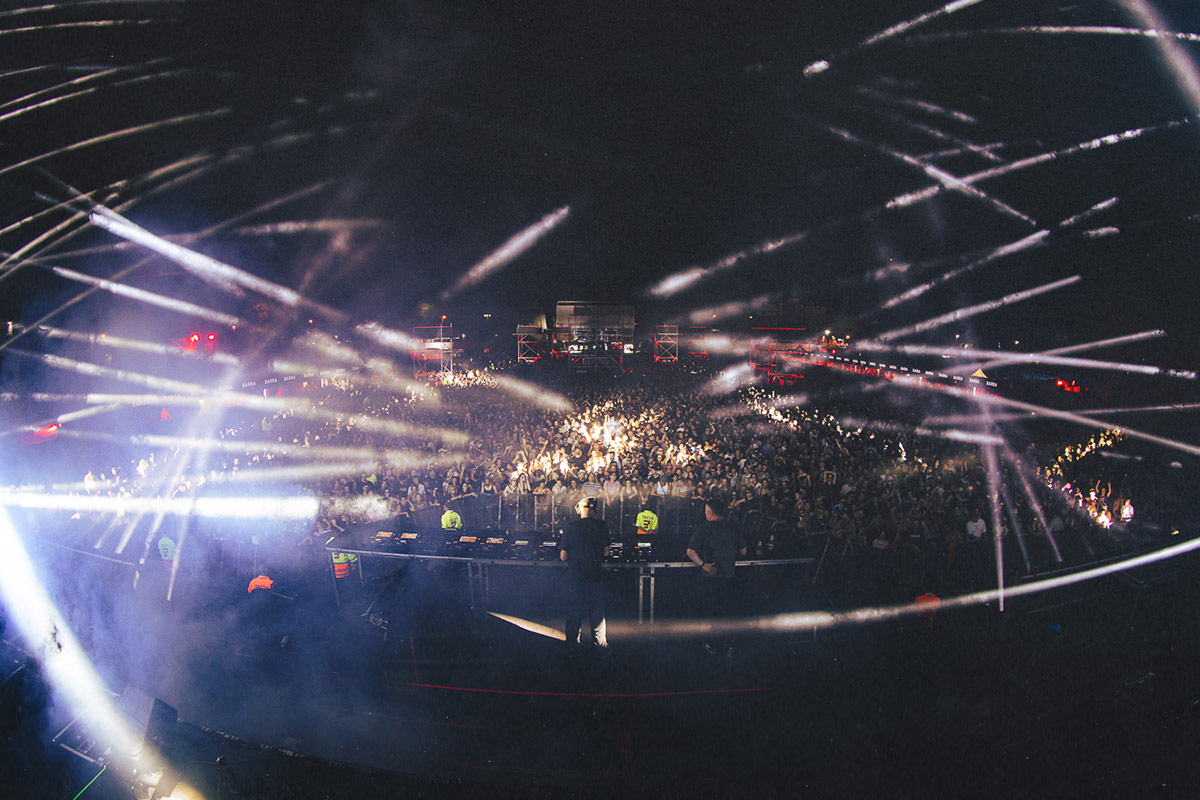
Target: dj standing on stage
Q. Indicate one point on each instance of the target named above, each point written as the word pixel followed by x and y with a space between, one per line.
pixel 584 548
pixel 714 547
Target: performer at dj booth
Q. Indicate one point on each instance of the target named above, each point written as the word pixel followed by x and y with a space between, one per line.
pixel 584 547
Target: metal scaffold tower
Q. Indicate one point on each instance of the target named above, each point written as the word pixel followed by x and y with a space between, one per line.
pixel 666 344
pixel 433 359
pixel 529 343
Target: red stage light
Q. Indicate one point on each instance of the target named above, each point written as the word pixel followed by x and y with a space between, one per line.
pixel 212 337
pixel 195 337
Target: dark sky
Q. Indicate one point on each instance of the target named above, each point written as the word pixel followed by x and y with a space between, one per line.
pixel 676 138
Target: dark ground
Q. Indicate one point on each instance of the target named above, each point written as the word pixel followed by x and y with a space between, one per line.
pixel 1091 690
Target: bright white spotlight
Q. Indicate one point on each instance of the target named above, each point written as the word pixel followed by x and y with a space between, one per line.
pixel 289 508
pixel 70 673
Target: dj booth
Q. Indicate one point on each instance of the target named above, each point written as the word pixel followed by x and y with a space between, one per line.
pixel 482 550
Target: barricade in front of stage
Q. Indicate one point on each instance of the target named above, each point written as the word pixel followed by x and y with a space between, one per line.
pixel 541 512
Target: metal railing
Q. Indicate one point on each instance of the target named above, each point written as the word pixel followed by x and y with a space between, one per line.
pixel 677 515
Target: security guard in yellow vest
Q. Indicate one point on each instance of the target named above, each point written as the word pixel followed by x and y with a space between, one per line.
pixel 647 522
pixel 451 521
pixel 341 561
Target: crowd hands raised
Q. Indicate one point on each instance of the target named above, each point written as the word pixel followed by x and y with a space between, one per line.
pixel 886 510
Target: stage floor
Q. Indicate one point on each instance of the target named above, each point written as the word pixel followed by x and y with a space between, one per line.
pixel 1090 688
pixel 1093 688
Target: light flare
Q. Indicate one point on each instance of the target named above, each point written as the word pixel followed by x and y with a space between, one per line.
pixel 817 67
pixel 182 119
pixel 921 195
pixel 809 621
pixel 1007 359
pixel 920 105
pixel 1174 56
pixel 105 340
pixel 685 279
pixel 507 252
pixel 532 393
pixel 981 308
pixel 733 308
pixel 731 380
pixel 1098 344
pixel 281 508
pixel 149 298
pixel 944 179
pixel 227 277
pixel 47 634
pixel 399 459
pixel 1031 241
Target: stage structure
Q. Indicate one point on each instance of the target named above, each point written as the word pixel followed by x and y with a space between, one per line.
pixel 433 359
pixel 666 344
pixel 776 352
pixel 598 336
pixel 531 343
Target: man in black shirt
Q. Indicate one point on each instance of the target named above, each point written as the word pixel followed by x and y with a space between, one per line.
pixel 584 548
pixel 714 547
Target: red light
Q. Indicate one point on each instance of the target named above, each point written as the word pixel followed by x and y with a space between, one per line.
pixel 1058 382
pixel 212 337
pixel 195 337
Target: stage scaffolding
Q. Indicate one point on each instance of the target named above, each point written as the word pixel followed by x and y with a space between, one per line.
pixel 530 340
pixel 666 344
pixel 433 360
pixel 598 335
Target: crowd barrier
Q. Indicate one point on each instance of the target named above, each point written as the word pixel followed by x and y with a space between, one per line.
pixel 545 512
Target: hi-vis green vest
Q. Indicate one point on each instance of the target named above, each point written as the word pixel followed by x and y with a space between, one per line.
pixel 647 522
pixel 451 521
pixel 341 561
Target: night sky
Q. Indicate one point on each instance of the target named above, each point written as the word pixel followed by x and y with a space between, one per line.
pixel 676 139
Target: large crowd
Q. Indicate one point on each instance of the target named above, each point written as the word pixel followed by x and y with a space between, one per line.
pixel 905 510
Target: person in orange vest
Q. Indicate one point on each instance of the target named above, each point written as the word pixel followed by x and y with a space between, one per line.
pixel 260 582
pixel 341 561
pixel 928 603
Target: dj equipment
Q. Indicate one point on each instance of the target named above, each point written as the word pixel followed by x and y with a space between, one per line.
pixel 434 543
pixel 493 545
pixel 464 546
pixel 522 547
pixel 616 552
pixel 547 548
pixel 641 551
pixel 394 542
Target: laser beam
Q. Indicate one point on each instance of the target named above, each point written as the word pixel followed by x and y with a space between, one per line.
pixel 981 308
pixel 507 252
pixel 149 298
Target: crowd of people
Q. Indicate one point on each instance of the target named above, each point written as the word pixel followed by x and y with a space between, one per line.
pixel 904 510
